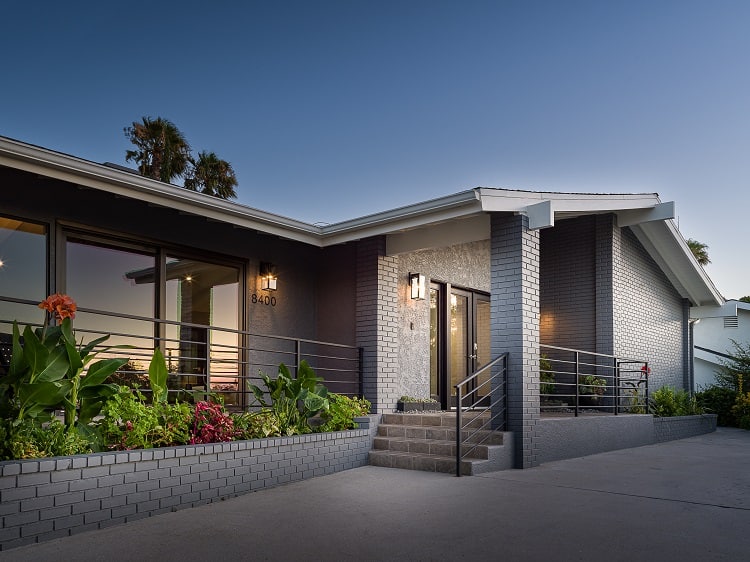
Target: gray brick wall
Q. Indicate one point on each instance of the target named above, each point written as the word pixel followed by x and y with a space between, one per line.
pixel 649 313
pixel 515 325
pixel 604 316
pixel 669 429
pixel 377 323
pixel 51 498
pixel 567 288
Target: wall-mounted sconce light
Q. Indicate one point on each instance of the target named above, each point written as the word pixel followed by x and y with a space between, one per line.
pixel 268 276
pixel 417 285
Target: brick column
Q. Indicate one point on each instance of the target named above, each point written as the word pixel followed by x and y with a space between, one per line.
pixel 377 322
pixel 604 259
pixel 515 326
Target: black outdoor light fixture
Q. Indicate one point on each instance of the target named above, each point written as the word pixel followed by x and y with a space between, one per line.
pixel 268 276
pixel 417 285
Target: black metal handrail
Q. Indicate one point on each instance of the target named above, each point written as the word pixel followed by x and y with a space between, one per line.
pixel 472 386
pixel 616 384
pixel 210 358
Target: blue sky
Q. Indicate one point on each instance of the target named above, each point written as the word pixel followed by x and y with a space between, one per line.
pixel 330 110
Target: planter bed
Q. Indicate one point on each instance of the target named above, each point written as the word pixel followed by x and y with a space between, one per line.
pixel 417 406
pixel 43 499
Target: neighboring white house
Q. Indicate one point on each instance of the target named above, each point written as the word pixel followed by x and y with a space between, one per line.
pixel 713 336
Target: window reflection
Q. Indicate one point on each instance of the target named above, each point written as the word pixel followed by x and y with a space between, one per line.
pixel 201 294
pixel 23 273
pixel 117 280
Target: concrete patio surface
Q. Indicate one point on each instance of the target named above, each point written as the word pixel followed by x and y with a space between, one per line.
pixel 681 500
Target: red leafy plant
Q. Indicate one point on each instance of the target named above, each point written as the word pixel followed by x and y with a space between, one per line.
pixel 211 424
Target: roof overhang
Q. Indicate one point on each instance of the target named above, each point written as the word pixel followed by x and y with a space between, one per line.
pixel 666 245
pixel 456 218
pixel 81 172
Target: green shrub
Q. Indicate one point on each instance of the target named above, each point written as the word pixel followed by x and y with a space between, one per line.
pixel 33 440
pixel 741 408
pixel 294 400
pixel 736 366
pixel 256 425
pixel 341 412
pixel 591 384
pixel 546 376
pixel 719 400
pixel 668 402
pixel 129 422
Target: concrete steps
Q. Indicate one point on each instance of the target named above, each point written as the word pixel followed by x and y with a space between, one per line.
pixel 427 441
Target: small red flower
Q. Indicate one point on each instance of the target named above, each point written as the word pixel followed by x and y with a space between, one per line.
pixel 62 306
pixel 646 370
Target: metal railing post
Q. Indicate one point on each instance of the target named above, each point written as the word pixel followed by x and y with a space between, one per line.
pixel 578 374
pixel 458 429
pixel 616 392
pixel 505 392
pixel 297 356
pixel 208 361
pixel 648 406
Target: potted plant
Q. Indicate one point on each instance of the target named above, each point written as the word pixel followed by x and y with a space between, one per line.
pixel 411 404
pixel 546 377
pixel 590 388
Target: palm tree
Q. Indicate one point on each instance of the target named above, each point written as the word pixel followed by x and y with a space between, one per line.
pixel 212 175
pixel 162 153
pixel 700 251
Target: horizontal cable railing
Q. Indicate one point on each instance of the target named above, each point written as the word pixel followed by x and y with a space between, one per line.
pixel 200 358
pixel 576 381
pixel 481 392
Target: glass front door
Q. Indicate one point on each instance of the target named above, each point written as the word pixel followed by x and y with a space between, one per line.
pixel 459 341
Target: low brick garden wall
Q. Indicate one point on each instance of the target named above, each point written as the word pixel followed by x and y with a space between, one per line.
pixel 571 437
pixel 669 429
pixel 44 499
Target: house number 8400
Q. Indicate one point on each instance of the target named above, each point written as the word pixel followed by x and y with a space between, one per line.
pixel 263 299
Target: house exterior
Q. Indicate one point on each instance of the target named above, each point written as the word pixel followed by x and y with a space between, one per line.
pixel 715 329
pixel 407 301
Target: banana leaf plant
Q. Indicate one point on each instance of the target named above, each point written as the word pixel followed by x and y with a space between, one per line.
pixel 293 400
pixel 48 371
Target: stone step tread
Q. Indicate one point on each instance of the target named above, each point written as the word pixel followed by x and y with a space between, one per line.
pixel 420 461
pixel 430 446
pixel 442 419
pixel 486 436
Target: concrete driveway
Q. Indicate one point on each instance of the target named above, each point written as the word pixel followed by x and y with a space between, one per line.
pixel 681 500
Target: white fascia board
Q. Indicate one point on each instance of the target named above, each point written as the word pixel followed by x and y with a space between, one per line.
pixel 543 208
pixel 660 212
pixel 460 205
pixel 125 184
pixel 729 308
pixel 508 200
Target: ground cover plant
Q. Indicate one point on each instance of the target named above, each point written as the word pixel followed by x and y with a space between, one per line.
pixel 49 373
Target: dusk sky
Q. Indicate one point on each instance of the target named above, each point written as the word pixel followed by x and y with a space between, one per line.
pixel 330 110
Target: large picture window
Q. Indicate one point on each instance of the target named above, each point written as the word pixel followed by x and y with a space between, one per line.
pixel 200 294
pixel 23 269
pixel 141 296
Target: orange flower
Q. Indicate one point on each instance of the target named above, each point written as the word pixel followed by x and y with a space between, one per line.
pixel 62 306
